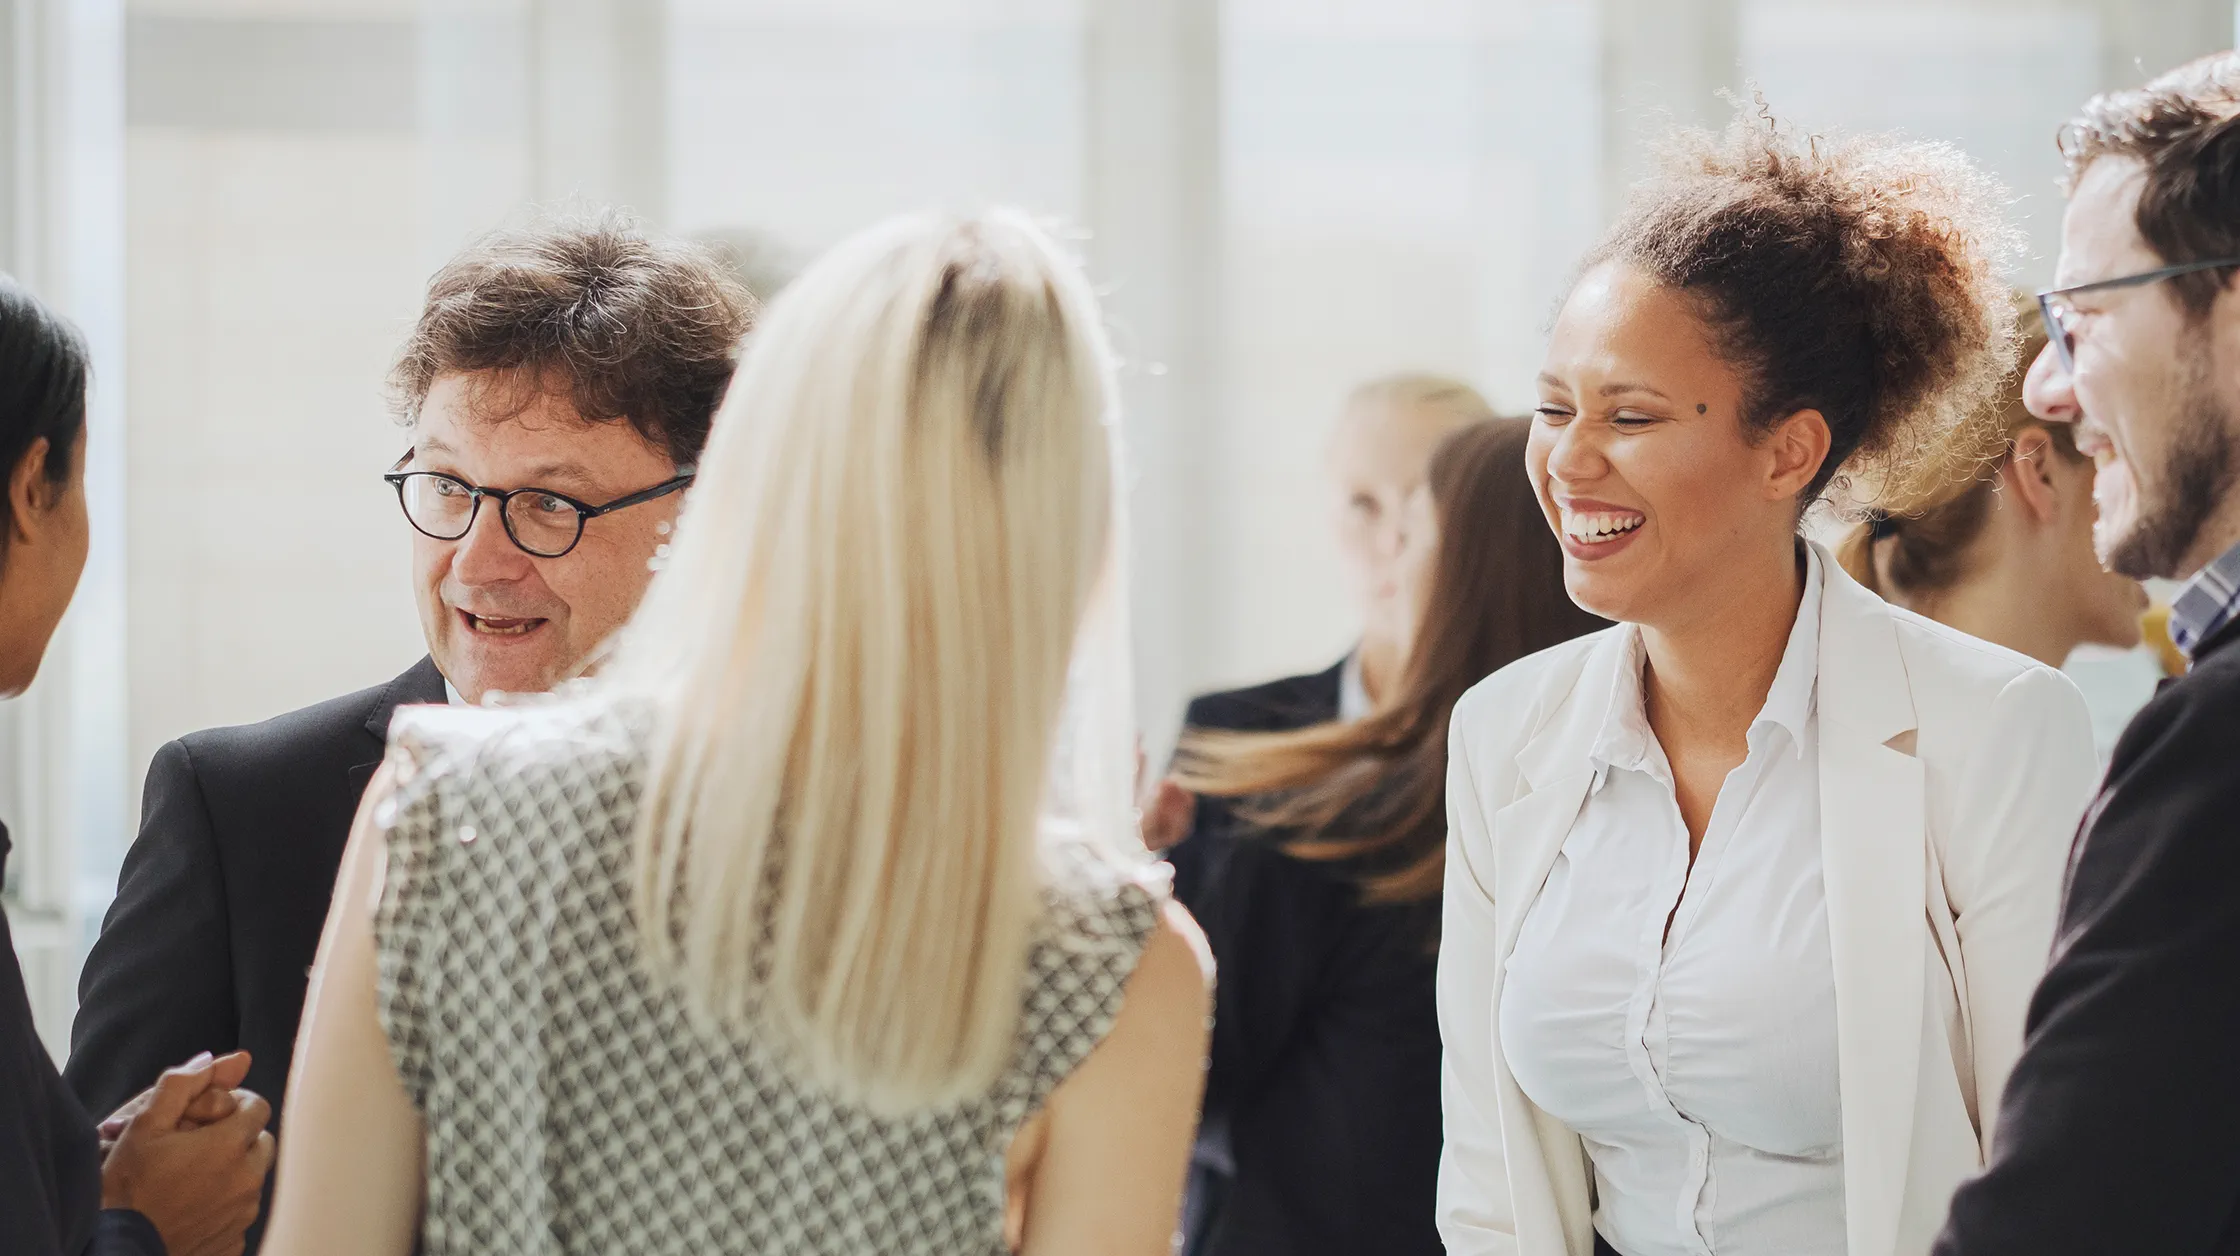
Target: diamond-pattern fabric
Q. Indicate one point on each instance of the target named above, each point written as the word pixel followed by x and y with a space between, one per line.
pixel 572 1105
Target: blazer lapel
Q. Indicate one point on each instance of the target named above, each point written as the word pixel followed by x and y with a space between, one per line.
pixel 420 685
pixel 1553 776
pixel 1554 771
pixel 1873 842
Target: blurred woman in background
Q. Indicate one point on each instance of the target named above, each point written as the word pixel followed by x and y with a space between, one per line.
pixel 2001 548
pixel 1321 898
pixel 778 936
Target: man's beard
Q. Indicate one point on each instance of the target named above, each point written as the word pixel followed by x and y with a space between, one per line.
pixel 2197 474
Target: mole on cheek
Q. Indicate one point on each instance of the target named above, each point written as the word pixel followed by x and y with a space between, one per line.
pixel 1702 408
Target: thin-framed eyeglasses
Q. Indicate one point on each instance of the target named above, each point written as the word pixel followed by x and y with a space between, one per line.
pixel 2058 314
pixel 543 523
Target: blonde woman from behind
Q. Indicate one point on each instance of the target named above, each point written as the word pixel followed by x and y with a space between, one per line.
pixel 782 935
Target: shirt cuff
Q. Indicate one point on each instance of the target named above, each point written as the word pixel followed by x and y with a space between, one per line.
pixel 125 1232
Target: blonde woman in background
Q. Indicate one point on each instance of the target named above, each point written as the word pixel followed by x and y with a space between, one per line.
pixel 779 937
pixel 2001 548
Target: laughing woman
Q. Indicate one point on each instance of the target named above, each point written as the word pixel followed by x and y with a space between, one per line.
pixel 1746 895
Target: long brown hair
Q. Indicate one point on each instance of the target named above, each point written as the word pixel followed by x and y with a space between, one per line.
pixel 1371 791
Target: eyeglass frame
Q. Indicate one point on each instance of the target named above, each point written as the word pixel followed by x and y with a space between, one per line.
pixel 585 511
pixel 2064 341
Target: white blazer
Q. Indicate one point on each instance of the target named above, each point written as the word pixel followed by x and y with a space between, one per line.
pixel 1952 777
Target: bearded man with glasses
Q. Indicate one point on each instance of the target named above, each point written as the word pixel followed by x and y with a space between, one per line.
pixel 558 387
pixel 2120 1126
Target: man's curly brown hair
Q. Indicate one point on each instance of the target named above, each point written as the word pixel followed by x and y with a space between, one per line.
pixel 1859 277
pixel 626 326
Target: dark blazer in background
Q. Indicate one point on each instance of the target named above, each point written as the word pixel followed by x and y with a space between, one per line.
pixel 2120 1129
pixel 1275 707
pixel 220 903
pixel 50 1163
pixel 1321 1125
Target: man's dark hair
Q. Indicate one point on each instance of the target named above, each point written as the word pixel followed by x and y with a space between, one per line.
pixel 624 325
pixel 2184 127
pixel 42 389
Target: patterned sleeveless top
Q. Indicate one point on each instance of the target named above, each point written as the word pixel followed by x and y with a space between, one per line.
pixel 571 1105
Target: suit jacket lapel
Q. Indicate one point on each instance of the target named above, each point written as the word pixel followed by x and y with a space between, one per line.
pixel 421 684
pixel 1873 840
pixel 1555 772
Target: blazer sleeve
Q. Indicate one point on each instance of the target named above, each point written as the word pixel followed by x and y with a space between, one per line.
pixel 1475 1214
pixel 2116 1133
pixel 1270 920
pixel 158 984
pixel 2025 788
pixel 123 1232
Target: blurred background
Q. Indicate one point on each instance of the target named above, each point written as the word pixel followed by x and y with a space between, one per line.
pixel 239 201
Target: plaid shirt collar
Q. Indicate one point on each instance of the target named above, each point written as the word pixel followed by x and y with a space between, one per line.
pixel 2207 603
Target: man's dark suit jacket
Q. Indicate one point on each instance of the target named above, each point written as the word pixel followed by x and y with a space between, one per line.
pixel 2120 1129
pixel 219 906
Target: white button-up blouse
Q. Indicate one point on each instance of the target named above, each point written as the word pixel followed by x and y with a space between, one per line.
pixel 1699 1065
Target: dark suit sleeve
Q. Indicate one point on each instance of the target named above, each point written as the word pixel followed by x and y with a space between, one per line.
pixel 2120 1127
pixel 123 1232
pixel 158 984
pixel 1267 918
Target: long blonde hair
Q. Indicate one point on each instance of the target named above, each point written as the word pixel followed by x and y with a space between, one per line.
pixel 858 655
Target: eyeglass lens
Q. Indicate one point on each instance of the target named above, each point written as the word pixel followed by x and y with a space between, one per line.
pixel 444 508
pixel 2057 332
pixel 543 524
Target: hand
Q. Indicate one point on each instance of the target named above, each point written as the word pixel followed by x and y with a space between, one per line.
pixel 1164 809
pixel 1168 812
pixel 215 1104
pixel 200 1186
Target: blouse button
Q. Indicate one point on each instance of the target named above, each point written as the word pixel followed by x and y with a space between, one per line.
pixel 466 835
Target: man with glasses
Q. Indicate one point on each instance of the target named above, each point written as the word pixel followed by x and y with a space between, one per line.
pixel 2120 1128
pixel 557 390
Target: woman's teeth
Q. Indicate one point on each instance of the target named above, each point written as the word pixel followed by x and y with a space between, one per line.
pixel 1600 527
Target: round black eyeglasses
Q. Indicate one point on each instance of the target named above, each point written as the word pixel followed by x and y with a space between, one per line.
pixel 543 523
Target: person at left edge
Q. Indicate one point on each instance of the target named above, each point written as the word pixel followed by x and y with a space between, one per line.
pixel 579 358
pixel 181 1176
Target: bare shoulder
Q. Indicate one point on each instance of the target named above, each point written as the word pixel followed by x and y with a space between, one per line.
pixel 1174 979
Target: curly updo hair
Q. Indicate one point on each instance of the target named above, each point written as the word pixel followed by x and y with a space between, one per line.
pixel 1860 277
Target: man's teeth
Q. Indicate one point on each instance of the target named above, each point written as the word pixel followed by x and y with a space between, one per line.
pixel 503 627
pixel 1600 527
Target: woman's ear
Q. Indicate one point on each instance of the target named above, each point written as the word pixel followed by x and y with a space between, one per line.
pixel 1799 444
pixel 31 495
pixel 2027 475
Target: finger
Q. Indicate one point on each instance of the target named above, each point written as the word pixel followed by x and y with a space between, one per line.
pixel 229 1070
pixel 214 1104
pixel 248 1119
pixel 173 1091
pixel 130 1109
pixel 260 1156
